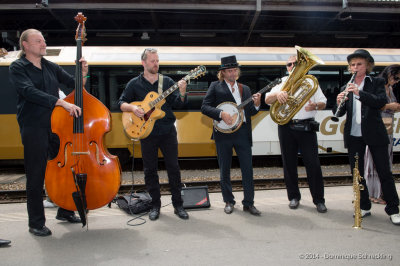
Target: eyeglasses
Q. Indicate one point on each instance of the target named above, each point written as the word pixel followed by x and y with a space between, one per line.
pixel 291 63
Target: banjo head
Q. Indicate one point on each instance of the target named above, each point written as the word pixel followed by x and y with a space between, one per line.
pixel 232 110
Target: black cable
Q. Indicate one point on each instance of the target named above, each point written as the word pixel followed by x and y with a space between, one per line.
pixel 131 193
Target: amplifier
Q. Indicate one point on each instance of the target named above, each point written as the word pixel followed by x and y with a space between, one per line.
pixel 195 197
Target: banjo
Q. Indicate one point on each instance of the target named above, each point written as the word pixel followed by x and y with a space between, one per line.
pixel 237 112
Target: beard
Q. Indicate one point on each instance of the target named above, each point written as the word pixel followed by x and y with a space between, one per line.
pixel 231 79
pixel 153 70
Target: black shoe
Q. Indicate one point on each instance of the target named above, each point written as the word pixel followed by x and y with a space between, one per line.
pixel 72 218
pixel 252 210
pixel 321 207
pixel 294 203
pixel 154 213
pixel 4 242
pixel 180 211
pixel 228 208
pixel 44 231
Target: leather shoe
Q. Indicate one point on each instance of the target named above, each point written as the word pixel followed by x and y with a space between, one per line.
pixel 294 203
pixel 252 210
pixel 4 242
pixel 154 213
pixel 44 231
pixel 228 208
pixel 180 211
pixel 321 207
pixel 72 218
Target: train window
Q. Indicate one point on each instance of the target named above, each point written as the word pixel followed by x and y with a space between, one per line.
pixel 258 77
pixel 107 83
pixel 8 95
pixel 197 88
pixel 329 81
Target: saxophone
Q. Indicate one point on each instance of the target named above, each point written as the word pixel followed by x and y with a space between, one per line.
pixel 357 187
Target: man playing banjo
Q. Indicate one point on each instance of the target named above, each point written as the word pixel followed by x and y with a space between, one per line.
pixel 232 93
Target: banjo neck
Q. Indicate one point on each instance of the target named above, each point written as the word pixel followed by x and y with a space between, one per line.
pixel 266 88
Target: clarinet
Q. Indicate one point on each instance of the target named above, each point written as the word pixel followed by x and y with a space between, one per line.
pixel 341 104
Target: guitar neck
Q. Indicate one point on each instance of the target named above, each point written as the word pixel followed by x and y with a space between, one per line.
pixel 166 93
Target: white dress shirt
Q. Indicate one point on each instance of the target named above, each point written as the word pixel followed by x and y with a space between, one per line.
pixel 318 97
pixel 356 117
pixel 236 96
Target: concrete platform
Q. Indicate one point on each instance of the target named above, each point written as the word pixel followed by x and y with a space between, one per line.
pixel 210 237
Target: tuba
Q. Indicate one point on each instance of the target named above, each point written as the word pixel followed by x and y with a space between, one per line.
pixel 299 86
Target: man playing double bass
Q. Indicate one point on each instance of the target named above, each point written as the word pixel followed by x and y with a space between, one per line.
pixel 37 83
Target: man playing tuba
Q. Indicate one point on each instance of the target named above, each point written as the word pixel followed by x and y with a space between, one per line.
pixel 299 135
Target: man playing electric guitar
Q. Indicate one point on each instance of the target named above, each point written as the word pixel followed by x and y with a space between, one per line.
pixel 163 136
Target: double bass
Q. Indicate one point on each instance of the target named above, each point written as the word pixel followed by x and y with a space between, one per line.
pixel 84 175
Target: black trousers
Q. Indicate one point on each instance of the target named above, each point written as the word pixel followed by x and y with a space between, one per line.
pixel 168 144
pixel 240 141
pixel 382 164
pixel 294 141
pixel 38 143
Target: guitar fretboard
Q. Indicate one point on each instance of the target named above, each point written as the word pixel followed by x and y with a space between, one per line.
pixel 167 92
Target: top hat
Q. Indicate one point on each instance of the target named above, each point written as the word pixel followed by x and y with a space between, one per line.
pixel 228 62
pixel 360 53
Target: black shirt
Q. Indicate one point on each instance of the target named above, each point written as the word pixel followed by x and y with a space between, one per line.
pixel 137 89
pixel 37 90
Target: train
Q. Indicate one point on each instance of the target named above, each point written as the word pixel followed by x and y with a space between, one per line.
pixel 112 67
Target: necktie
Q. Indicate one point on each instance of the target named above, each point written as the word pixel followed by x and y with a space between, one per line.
pixel 358 111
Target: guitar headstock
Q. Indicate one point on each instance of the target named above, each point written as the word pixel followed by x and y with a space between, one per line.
pixel 3 52
pixel 81 30
pixel 197 72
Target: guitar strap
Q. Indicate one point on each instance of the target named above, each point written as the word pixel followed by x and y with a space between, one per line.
pixel 240 90
pixel 160 83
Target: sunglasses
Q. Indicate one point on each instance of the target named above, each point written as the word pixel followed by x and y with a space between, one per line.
pixel 291 64
pixel 396 78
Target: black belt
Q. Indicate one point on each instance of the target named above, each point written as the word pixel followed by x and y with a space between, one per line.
pixel 296 121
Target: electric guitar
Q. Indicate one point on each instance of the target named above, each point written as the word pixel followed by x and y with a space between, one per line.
pixel 140 127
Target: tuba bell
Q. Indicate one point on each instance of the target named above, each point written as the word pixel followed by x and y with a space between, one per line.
pixel 299 86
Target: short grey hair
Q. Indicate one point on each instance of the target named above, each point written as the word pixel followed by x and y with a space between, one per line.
pixel 146 51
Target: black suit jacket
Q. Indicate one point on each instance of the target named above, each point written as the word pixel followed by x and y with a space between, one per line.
pixel 219 92
pixel 373 98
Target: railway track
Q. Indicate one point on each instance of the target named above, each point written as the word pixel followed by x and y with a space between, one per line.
pixel 18 196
